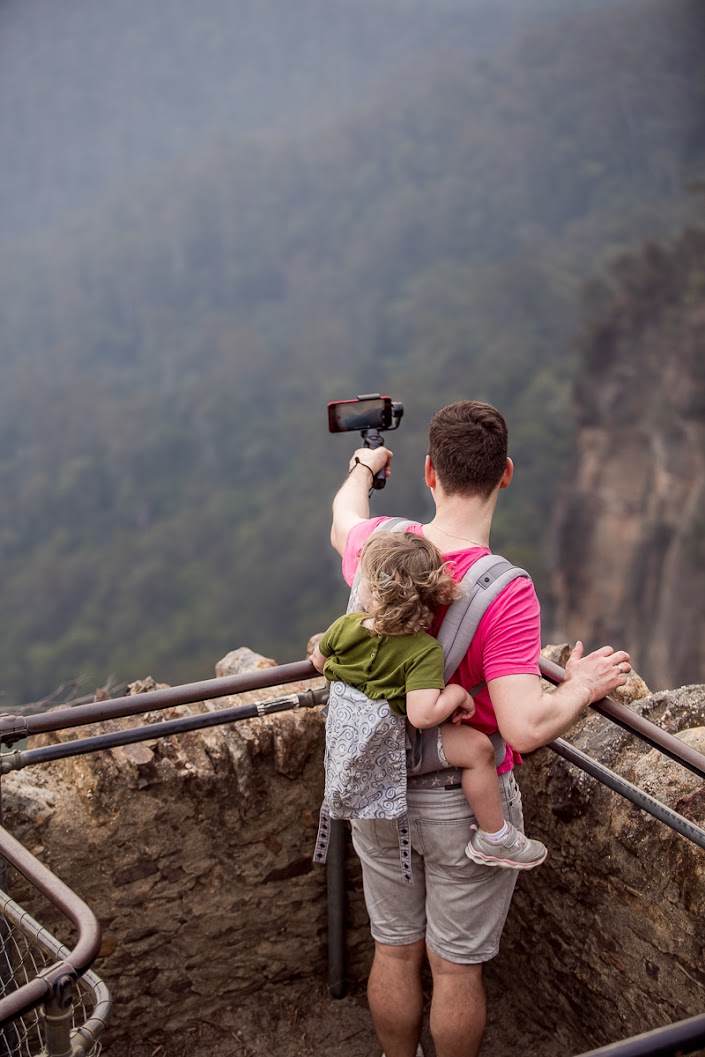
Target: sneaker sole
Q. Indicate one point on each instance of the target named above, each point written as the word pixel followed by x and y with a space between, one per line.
pixel 504 864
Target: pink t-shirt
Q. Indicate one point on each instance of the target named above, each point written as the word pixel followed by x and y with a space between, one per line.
pixel 507 641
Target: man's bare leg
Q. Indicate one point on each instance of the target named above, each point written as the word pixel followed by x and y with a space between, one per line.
pixel 395 995
pixel 457 1008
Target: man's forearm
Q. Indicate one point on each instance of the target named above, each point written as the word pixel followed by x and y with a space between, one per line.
pixel 555 713
pixel 351 504
pixel 352 501
pixel 529 717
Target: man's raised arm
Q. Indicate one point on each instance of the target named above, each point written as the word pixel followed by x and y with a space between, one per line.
pixel 352 503
pixel 529 717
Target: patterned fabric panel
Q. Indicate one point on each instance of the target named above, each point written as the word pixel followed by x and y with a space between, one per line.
pixel 365 760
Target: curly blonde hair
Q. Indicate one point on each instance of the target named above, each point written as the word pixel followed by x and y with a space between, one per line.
pixel 408 580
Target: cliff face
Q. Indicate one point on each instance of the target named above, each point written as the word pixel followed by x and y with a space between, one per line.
pixel 629 531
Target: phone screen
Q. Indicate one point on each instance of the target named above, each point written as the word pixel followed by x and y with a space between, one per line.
pixel 347 415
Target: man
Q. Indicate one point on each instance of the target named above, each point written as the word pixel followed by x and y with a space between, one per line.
pixel 454 913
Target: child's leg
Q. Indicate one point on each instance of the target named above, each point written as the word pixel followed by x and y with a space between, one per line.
pixel 495 842
pixel 466 747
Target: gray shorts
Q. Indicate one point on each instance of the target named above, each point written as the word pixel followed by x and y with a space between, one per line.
pixel 456 905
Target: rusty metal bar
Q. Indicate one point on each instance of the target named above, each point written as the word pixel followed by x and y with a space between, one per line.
pixel 78 960
pixel 642 728
pixel 13 727
pixel 15 761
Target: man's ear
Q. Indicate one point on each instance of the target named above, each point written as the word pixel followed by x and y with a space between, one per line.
pixel 429 473
pixel 507 475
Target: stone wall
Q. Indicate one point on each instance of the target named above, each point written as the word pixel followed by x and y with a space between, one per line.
pixel 195 854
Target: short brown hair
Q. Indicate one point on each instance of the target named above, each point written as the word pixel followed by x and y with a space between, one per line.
pixel 408 580
pixel 467 445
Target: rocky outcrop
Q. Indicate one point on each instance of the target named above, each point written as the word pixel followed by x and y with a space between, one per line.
pixel 607 938
pixel 629 551
pixel 195 853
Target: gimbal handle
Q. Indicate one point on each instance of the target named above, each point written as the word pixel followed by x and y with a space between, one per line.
pixel 372 438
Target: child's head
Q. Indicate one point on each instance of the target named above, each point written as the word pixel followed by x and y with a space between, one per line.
pixel 406 580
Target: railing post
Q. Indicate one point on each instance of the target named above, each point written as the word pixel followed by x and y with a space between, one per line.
pixel 335 871
pixel 58 1020
pixel 9 1036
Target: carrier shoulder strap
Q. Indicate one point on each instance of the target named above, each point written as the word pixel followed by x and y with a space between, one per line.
pixel 482 583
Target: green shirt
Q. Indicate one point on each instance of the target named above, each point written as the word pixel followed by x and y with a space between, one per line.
pixel 381 665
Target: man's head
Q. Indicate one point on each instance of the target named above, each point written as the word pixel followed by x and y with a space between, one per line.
pixel 467 446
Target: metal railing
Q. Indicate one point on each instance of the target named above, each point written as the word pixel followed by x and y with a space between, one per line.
pixel 672 1040
pixel 14 728
pixel 50 1004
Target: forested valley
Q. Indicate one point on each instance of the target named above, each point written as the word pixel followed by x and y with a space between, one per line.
pixel 423 219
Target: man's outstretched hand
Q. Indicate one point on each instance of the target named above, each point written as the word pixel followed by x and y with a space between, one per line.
pixel 375 458
pixel 598 673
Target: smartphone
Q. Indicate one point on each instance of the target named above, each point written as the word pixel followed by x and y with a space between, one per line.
pixel 371 411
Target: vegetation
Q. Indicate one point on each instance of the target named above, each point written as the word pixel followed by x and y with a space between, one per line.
pixel 166 355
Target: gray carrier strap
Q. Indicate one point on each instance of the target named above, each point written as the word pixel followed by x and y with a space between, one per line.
pixel 325 821
pixel 482 583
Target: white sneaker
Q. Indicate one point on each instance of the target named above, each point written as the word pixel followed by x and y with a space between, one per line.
pixel 514 852
pixel 419 1051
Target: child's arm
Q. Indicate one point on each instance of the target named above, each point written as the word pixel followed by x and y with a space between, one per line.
pixel 428 708
pixel 318 660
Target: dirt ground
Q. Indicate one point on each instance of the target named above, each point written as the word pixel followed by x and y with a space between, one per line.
pixel 302 1020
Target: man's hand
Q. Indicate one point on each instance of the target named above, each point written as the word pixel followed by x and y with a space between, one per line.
pixel 352 503
pixel 599 673
pixel 374 458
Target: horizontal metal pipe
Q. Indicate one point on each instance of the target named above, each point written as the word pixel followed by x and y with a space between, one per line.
pixel 642 728
pixel 630 792
pixel 15 761
pixel 88 942
pixel 14 727
pixel 674 1040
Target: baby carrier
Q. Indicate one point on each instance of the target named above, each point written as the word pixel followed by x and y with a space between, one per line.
pixel 370 750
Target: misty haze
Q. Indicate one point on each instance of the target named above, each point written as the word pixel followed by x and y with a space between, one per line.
pixel 216 217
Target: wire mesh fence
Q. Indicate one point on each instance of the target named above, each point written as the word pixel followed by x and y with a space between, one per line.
pixel 68 1026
